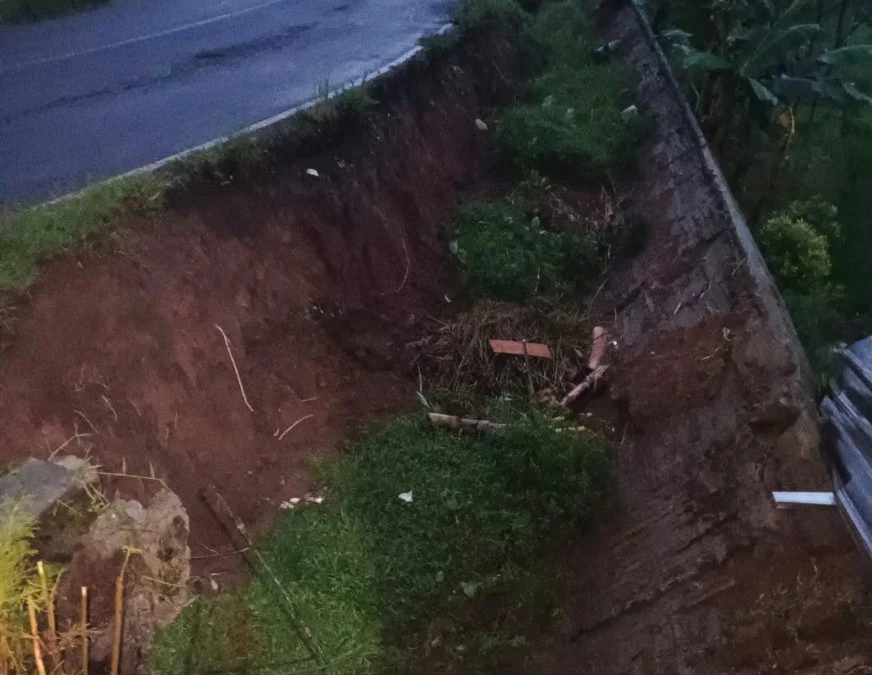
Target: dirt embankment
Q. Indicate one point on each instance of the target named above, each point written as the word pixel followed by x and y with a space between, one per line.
pixel 697 572
pixel 317 282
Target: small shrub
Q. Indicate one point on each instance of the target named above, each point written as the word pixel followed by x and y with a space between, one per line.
pixel 505 254
pixel 563 34
pixel 472 14
pixel 820 324
pixel 797 255
pixel 354 104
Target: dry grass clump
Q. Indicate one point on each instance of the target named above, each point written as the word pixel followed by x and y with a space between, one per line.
pixel 458 357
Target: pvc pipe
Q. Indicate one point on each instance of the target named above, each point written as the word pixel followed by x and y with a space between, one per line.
pixel 811 498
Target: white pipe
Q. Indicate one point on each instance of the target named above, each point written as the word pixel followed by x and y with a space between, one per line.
pixel 813 498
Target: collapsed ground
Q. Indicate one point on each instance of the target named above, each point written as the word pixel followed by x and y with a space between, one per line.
pixel 320 283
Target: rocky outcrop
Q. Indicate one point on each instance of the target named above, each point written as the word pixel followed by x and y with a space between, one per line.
pixel 154 541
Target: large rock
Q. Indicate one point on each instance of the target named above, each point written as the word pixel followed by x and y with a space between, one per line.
pixel 36 486
pixel 156 580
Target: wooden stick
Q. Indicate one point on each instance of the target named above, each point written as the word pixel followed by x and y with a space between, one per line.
pixel 588 383
pixel 235 369
pixel 119 616
pixel 408 266
pixel 222 511
pixel 34 633
pixel 85 646
pixel 455 422
pixel 598 346
pixel 294 425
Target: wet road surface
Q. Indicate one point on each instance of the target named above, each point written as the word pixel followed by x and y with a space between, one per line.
pixel 96 94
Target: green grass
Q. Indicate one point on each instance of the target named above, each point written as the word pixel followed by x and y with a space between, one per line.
pixel 473 14
pixel 366 568
pixel 33 10
pixel 30 236
pixel 504 252
pixel 571 124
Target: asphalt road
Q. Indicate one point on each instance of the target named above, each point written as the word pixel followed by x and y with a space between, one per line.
pixel 97 94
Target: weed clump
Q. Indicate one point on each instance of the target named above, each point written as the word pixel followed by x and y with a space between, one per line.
pixel 572 124
pixel 504 253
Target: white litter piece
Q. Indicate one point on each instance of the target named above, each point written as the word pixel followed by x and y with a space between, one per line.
pixel 406 496
pixel 319 500
pixel 286 506
pixel 480 124
pixel 809 498
pixel 629 113
pixel 294 500
pixel 312 173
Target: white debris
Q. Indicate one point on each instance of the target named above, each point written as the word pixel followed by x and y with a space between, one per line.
pixel 312 173
pixel 406 496
pixel 480 124
pixel 286 506
pixel 294 500
pixel 629 113
pixel 319 500
pixel 214 585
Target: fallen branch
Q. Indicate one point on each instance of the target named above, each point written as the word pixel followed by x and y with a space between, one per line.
pixel 219 508
pixel 235 369
pixel 455 422
pixel 294 425
pixel 408 266
pixel 589 383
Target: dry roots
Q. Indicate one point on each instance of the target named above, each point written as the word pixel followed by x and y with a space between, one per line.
pixel 459 358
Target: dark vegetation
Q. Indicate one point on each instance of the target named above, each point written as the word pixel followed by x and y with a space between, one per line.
pixel 429 543
pixel 34 10
pixel 782 90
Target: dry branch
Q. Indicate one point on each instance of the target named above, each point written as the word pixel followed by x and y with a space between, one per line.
pixel 294 425
pixel 588 383
pixel 235 369
pixel 455 422
pixel 222 512
pixel 84 629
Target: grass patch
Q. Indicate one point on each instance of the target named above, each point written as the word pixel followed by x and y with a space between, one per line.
pixel 367 567
pixel 571 125
pixel 473 14
pixel 30 236
pixel 33 10
pixel 504 252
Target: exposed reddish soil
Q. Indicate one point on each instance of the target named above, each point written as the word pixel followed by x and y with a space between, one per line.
pixel 318 284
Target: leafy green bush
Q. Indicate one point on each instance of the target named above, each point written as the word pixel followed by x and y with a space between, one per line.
pixel 563 34
pixel 505 254
pixel 366 563
pixel 797 255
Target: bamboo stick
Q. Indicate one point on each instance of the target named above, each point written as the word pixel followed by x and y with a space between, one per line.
pixel 34 633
